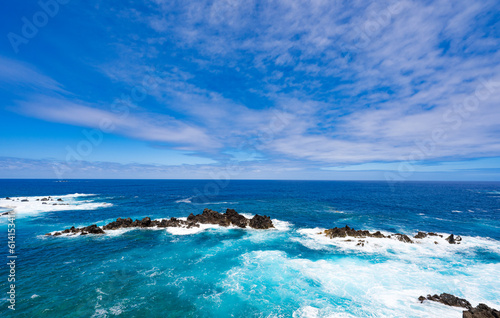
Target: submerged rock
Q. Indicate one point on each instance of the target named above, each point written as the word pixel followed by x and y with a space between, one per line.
pixel 231 217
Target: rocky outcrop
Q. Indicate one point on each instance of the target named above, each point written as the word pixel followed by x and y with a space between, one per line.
pixel 261 222
pixel 231 217
pixel 452 239
pixel 346 231
pixel 420 235
pixel 480 311
pixel 448 300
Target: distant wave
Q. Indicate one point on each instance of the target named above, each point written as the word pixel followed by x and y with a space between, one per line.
pixel 30 205
pixel 189 200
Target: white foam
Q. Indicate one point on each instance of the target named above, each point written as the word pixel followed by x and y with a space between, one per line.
pixel 187 200
pixel 32 206
pixel 358 287
pixel 427 246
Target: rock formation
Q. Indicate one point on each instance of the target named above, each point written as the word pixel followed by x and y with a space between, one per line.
pixel 231 217
pixel 480 311
pixel 347 231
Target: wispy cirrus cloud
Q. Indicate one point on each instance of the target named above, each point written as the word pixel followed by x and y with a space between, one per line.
pixel 149 127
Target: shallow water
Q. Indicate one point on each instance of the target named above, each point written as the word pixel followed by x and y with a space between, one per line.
pixel 291 271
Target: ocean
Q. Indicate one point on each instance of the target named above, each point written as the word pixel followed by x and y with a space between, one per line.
pixel 289 271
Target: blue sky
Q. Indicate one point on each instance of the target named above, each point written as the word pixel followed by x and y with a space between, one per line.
pixel 279 89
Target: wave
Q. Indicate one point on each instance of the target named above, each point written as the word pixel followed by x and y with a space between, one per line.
pixel 31 205
pixel 355 287
pixel 189 201
pixel 430 246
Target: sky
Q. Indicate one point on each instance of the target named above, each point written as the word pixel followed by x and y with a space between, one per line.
pixel 280 89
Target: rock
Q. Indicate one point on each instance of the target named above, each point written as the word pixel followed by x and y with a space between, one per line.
pixel 378 235
pixel 403 238
pixel 347 231
pixel 207 217
pixel 25 200
pixel 44 202
pixel 236 219
pixel 261 222
pixel 60 199
pixel 481 311
pixel 451 239
pixel 449 300
pixel 420 235
pixel 7 198
pixel 146 222
pixel 93 229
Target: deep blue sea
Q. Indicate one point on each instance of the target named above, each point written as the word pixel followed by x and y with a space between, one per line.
pixel 291 271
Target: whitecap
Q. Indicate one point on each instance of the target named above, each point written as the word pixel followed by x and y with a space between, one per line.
pixel 357 287
pixel 69 202
pixel 187 200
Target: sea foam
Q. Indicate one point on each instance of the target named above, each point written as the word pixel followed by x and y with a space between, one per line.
pixel 32 206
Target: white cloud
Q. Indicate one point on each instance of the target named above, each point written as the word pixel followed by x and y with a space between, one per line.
pixel 120 120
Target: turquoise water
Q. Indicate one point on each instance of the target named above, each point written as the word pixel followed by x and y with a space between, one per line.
pixel 224 272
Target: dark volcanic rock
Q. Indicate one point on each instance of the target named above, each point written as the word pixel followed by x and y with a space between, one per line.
pixel 231 217
pixel 261 222
pixel 402 237
pixel 481 311
pixel 93 229
pixel 451 239
pixel 420 235
pixel 449 300
pixel 237 219
pixel 347 231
